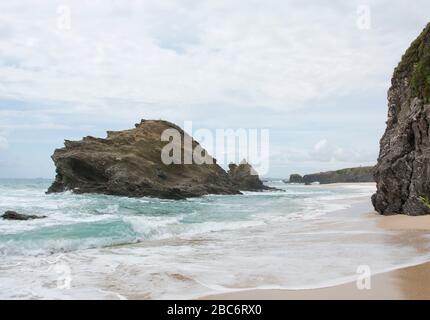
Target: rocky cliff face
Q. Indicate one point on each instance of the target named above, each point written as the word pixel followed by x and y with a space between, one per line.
pixel 128 163
pixel 403 170
pixel 245 178
pixel 349 175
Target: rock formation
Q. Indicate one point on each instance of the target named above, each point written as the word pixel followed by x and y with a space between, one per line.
pixel 403 170
pixel 245 178
pixel 349 175
pixel 12 215
pixel 295 178
pixel 128 163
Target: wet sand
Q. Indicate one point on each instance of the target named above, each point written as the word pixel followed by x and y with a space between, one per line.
pixel 405 283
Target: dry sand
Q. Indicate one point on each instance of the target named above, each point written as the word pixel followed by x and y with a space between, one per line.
pixel 405 283
pixel 403 222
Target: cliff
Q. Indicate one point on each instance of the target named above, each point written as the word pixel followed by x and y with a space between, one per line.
pixel 403 170
pixel 349 175
pixel 128 163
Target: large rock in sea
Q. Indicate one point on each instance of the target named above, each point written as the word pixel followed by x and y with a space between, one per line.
pixel 128 163
pixel 245 178
pixel 295 178
pixel 403 170
pixel 349 175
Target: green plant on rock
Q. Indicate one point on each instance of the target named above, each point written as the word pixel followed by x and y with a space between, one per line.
pixel 425 201
pixel 420 80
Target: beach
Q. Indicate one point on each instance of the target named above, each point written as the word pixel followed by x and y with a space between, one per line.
pixel 411 282
pixel 305 242
pixel 405 283
pixel 214 150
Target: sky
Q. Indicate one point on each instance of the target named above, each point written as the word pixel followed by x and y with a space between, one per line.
pixel 313 73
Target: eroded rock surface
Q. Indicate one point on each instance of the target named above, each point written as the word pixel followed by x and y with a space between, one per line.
pixel 245 178
pixel 128 163
pixel 403 170
pixel 295 178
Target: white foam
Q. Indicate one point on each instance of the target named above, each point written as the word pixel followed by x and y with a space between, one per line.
pixel 191 248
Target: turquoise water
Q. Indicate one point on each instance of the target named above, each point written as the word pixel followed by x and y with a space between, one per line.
pixel 118 247
pixel 87 221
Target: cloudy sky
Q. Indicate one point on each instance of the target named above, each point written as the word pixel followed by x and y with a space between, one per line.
pixel 315 73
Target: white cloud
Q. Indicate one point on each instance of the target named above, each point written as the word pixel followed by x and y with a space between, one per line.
pixel 3 141
pixel 303 67
pixel 323 151
pixel 320 145
pixel 188 54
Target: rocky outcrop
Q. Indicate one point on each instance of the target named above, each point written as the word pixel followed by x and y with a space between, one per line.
pixel 245 178
pixel 403 170
pixel 295 178
pixel 128 163
pixel 349 175
pixel 12 215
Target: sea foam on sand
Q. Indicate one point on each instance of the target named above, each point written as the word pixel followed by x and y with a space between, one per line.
pixel 305 237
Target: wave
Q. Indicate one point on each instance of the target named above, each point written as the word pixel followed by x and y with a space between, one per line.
pixel 65 238
pixel 76 222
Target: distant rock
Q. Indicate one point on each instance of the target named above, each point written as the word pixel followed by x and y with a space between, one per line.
pixel 403 170
pixel 295 178
pixel 12 215
pixel 245 178
pixel 349 175
pixel 128 163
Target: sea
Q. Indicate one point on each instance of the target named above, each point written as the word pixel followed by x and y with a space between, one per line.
pixel 109 247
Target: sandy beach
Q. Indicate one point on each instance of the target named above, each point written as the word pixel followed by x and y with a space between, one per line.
pixel 267 245
pixel 411 282
pixel 407 283
pixel 402 222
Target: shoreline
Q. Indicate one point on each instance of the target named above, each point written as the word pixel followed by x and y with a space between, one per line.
pixel 313 255
pixel 403 282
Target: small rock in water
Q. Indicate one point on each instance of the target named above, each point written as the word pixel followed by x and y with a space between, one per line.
pixel 12 215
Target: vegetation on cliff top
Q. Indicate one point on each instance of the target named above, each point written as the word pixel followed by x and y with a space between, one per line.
pixel 420 80
pixel 416 64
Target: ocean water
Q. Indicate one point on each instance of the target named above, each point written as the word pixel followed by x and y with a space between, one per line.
pixel 107 247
